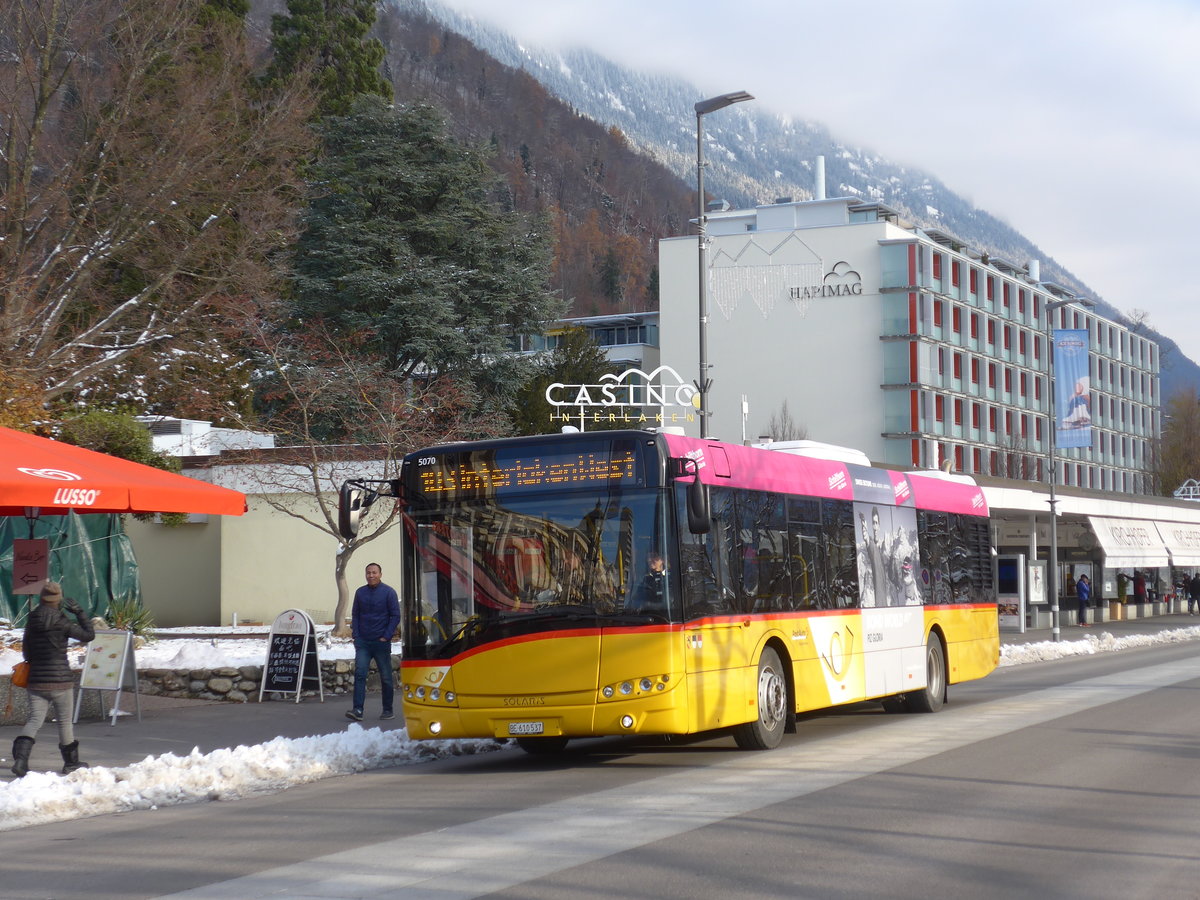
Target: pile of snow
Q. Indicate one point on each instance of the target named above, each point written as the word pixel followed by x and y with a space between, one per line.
pixel 42 797
pixel 1091 644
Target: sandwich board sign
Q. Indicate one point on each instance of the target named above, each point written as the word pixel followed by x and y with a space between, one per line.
pixel 110 666
pixel 292 656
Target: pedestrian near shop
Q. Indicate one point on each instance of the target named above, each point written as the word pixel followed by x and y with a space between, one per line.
pixel 373 622
pixel 1083 590
pixel 1193 591
pixel 51 681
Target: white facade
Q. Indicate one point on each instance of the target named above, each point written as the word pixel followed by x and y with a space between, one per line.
pixel 903 343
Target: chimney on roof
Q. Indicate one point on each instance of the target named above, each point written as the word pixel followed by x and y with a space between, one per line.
pixel 1035 270
pixel 819 179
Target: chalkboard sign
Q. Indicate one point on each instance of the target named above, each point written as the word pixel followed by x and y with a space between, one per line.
pixel 110 666
pixel 292 656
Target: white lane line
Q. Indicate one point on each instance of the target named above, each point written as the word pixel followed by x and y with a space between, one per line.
pixel 500 852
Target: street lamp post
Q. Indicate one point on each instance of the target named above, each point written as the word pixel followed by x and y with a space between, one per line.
pixel 1052 575
pixel 703 108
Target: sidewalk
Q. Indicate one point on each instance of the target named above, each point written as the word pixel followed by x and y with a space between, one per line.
pixel 178 726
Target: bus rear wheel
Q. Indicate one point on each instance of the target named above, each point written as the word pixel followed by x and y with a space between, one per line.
pixel 539 746
pixel 931 698
pixel 765 732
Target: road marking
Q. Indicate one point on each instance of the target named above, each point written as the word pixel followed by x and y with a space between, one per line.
pixel 500 852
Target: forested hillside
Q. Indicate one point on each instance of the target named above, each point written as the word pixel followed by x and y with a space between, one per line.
pixel 609 203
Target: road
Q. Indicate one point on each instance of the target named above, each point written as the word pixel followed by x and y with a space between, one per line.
pixel 1077 778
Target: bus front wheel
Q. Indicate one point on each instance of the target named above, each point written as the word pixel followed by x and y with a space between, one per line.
pixel 934 694
pixel 765 732
pixel 542 745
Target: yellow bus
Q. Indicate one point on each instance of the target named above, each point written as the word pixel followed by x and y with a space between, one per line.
pixel 628 582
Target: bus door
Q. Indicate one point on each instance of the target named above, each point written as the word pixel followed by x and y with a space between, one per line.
pixel 716 632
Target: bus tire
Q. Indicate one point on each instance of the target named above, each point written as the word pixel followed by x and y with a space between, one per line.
pixel 766 731
pixel 931 698
pixel 541 746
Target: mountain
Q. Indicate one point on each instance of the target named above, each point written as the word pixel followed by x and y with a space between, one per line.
pixel 757 157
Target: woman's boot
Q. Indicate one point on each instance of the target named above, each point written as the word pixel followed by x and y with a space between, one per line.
pixel 22 747
pixel 70 755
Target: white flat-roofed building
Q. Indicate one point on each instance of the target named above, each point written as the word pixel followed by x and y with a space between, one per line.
pixel 904 343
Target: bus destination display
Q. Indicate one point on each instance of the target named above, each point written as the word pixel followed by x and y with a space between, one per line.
pixel 483 473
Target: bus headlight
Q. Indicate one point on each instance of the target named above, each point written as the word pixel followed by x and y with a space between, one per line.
pixel 421 692
pixel 435 694
pixel 626 721
pixel 435 728
pixel 645 684
pixel 608 692
pixel 626 687
pixel 449 696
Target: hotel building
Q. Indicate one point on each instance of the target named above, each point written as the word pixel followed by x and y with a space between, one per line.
pixel 902 342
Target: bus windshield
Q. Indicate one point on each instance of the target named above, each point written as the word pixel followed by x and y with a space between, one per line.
pixel 486 569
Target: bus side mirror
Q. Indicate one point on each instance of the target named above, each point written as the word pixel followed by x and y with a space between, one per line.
pixel 350 509
pixel 699 512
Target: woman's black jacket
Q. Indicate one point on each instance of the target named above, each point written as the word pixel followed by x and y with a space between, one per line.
pixel 45 646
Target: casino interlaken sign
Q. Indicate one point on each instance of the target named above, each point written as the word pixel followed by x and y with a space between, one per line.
pixel 633 396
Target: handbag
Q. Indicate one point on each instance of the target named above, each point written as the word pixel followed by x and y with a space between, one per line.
pixel 20 674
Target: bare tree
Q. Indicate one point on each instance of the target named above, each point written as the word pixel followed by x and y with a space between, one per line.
pixel 338 414
pixel 1017 458
pixel 1175 456
pixel 142 175
pixel 782 427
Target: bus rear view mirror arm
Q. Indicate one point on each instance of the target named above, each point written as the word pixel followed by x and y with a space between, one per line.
pixel 356 497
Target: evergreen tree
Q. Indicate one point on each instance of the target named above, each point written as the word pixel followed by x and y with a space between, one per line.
pixel 576 359
pixel 328 38
pixel 402 240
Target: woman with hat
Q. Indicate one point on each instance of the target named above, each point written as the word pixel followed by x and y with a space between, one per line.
pixel 51 681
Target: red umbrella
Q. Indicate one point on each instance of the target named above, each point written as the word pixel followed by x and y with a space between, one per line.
pixel 56 477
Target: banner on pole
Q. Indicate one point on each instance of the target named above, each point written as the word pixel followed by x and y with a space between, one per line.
pixel 1072 388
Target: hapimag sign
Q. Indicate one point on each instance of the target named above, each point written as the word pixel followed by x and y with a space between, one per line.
pixel 630 396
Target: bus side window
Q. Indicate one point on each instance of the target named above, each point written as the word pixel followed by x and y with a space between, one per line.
pixel 804 550
pixel 840 550
pixel 705 560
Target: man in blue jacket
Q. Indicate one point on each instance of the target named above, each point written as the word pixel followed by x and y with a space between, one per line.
pixel 373 622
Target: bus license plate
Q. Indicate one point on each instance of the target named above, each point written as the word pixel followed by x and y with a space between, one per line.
pixel 526 727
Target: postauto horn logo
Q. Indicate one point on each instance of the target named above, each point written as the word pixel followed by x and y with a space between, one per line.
pixel 52 474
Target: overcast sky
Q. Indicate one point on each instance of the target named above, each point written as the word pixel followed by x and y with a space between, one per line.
pixel 1078 123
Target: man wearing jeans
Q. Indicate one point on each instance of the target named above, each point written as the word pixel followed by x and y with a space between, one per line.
pixel 373 621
